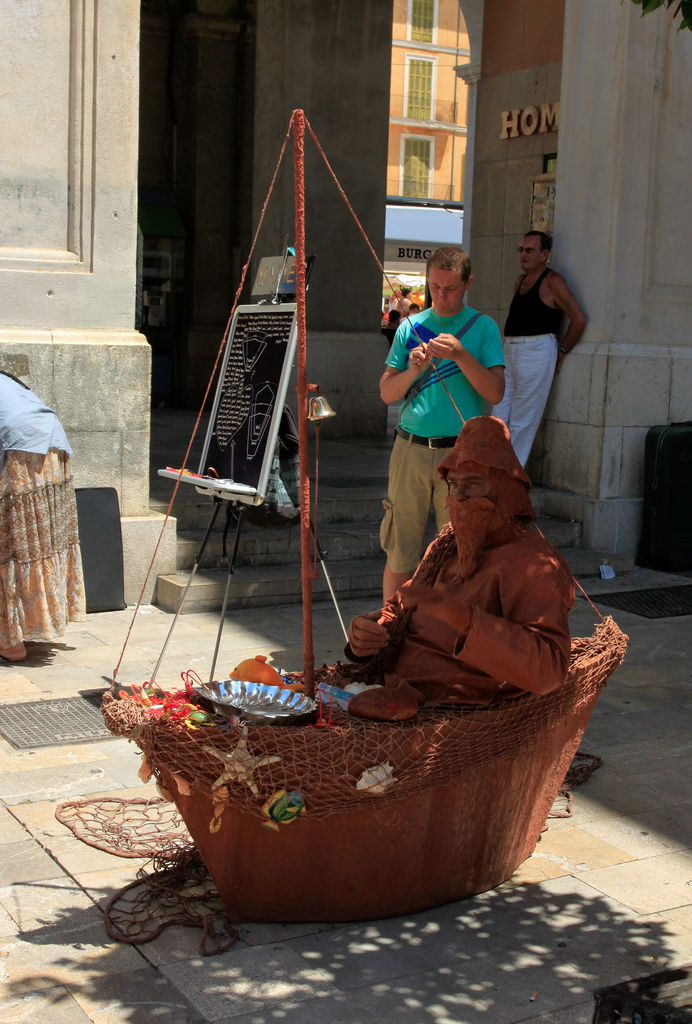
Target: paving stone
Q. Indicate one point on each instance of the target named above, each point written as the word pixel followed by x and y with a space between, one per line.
pixel 57 785
pixel 78 859
pixel 8 926
pixel 356 956
pixel 17 688
pixel 247 980
pixel 647 886
pixel 48 758
pixel 574 850
pixel 76 952
pixel 24 861
pixel 40 904
pixel 659 831
pixel 581 1014
pixel 53 1005
pixel 11 830
pixel 138 997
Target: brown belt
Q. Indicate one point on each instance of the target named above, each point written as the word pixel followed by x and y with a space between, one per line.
pixel 428 442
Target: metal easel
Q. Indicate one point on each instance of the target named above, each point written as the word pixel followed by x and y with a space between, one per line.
pixel 238 508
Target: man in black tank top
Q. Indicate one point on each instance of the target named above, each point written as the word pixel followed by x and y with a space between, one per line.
pixel 532 352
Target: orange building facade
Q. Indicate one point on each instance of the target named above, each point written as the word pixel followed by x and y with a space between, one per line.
pixel 428 101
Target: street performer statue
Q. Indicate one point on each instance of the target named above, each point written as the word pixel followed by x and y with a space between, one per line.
pixel 485 616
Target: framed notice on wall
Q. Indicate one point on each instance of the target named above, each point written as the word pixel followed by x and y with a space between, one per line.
pixel 543 204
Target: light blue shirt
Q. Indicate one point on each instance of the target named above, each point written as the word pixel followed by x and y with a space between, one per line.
pixel 430 413
pixel 26 424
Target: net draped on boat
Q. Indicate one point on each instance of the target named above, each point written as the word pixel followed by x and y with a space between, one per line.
pixel 245 767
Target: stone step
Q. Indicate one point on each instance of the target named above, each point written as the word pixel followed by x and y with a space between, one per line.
pixel 339 541
pixel 263 586
pixel 335 505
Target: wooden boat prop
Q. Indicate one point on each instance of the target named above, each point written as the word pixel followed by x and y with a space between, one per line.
pixel 458 806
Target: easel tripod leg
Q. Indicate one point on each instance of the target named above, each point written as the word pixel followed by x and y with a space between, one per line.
pixel 326 576
pixel 231 570
pixel 195 566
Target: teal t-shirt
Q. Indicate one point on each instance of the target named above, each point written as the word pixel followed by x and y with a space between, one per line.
pixel 430 413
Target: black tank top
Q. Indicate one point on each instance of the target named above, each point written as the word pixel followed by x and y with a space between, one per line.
pixel 528 315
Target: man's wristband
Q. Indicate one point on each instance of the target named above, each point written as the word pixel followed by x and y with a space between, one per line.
pixel 562 350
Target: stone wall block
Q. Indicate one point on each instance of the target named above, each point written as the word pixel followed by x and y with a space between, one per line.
pixel 613 525
pixel 486 256
pixel 638 387
pixel 521 172
pixel 681 386
pixel 104 383
pixel 97 458
pixel 597 383
pixel 28 354
pixel 140 537
pixel 569 397
pixel 573 457
pixel 494 95
pixel 632 471
pixel 488 199
pixel 510 268
pixel 611 463
pixel 134 492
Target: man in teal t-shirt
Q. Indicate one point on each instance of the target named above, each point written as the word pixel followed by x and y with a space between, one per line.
pixel 465 348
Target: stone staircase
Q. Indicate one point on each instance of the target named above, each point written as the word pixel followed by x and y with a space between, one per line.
pixel 352 481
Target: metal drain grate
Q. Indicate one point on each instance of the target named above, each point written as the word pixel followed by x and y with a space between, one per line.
pixel 658 603
pixel 54 723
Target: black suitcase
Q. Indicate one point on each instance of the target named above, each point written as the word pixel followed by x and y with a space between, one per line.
pixel 667 526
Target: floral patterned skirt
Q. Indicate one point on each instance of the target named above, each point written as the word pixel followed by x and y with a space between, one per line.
pixel 41 579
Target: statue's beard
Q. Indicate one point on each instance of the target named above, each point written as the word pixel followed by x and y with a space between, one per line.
pixel 470 521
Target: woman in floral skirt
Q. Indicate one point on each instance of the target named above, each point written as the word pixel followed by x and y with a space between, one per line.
pixel 41 580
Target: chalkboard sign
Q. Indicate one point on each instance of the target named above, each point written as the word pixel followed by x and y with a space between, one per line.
pixel 249 400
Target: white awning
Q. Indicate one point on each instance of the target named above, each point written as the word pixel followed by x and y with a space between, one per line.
pixel 412 232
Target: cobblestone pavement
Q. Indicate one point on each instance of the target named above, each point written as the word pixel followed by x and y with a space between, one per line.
pixel 607 894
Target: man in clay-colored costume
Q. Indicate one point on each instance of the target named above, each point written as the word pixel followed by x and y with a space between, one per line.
pixel 486 614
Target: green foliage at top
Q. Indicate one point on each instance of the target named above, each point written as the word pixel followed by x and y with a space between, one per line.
pixel 683 9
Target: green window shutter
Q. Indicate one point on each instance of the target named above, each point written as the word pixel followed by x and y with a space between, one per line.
pixel 420 76
pixel 417 160
pixel 422 13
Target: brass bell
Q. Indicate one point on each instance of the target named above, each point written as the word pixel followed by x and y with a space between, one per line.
pixel 319 409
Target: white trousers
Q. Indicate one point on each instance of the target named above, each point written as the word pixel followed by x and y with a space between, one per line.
pixel 529 369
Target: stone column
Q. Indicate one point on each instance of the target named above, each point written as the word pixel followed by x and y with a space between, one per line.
pixel 214 175
pixel 333 61
pixel 471 74
pixel 623 222
pixel 68 204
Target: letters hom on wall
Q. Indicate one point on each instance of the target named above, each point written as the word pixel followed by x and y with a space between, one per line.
pixel 530 120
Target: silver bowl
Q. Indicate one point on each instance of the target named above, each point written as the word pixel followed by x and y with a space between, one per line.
pixel 256 702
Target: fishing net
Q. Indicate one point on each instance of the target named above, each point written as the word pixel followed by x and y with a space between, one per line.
pixel 175 890
pixel 132 827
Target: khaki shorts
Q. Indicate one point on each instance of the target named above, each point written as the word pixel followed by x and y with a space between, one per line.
pixel 413 484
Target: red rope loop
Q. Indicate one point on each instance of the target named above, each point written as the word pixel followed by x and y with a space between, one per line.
pixel 219 353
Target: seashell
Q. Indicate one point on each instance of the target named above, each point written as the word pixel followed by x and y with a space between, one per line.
pixel 356 687
pixel 377 778
pixel 183 785
pixel 145 771
pixel 163 792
